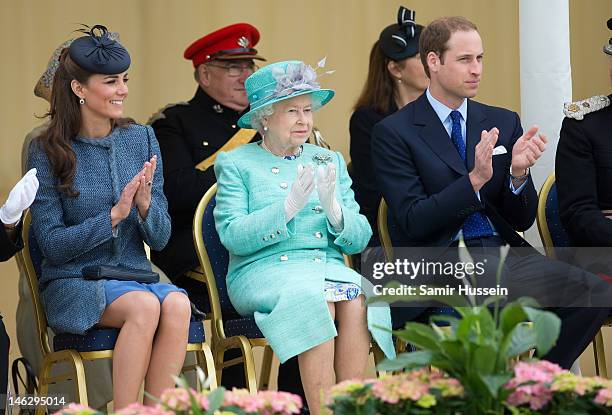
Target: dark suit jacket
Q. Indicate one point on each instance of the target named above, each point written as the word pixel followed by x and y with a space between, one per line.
pixel 10 246
pixel 584 177
pixel 426 184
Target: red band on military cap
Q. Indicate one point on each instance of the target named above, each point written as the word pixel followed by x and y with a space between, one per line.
pixel 231 42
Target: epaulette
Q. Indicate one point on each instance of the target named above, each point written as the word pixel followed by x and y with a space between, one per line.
pixel 159 115
pixel 579 109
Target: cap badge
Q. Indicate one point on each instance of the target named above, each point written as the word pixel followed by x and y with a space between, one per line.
pixel 243 42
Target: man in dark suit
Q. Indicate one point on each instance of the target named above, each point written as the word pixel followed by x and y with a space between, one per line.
pixel 584 177
pixel 450 167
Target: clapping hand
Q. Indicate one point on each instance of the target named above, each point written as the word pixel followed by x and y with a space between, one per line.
pixel 527 150
pixel 142 199
pixel 326 188
pixel 20 198
pixel 483 159
pixel 300 191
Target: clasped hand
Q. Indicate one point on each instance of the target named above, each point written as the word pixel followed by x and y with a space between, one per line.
pixel 303 185
pixel 136 193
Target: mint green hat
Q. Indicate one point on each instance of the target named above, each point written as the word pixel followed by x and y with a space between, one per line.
pixel 279 81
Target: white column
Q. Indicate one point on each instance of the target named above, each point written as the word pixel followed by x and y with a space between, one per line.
pixel 546 77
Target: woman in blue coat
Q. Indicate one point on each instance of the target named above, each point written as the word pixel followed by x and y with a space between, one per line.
pixel 99 199
pixel 286 213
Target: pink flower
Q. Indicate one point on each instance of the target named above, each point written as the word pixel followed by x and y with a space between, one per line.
pixel 604 397
pixel 536 395
pixel 177 399
pixel 542 371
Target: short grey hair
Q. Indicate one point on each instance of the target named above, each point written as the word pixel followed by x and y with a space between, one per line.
pixel 258 115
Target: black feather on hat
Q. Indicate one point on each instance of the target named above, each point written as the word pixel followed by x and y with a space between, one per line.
pixel 401 40
pixel 98 53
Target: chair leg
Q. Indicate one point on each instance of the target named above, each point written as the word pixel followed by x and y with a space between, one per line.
pixel 266 369
pixel 218 361
pixel 250 376
pixel 77 375
pixel 206 359
pixel 378 357
pixel 600 355
pixel 43 385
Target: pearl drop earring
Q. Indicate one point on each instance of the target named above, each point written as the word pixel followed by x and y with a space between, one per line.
pixel 82 101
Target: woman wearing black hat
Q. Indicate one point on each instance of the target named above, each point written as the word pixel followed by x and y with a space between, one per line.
pixel 99 199
pixel 395 78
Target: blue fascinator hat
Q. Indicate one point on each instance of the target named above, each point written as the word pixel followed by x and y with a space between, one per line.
pixel 400 40
pixel 280 81
pixel 99 53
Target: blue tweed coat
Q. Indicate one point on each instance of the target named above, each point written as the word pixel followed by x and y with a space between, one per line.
pixel 76 232
pixel 277 270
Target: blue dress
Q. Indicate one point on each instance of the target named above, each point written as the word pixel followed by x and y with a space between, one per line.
pixel 74 232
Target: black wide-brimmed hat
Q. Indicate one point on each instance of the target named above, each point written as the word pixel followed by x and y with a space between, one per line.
pixel 608 47
pixel 99 53
pixel 401 40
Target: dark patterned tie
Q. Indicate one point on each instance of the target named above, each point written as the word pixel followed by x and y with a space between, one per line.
pixel 476 225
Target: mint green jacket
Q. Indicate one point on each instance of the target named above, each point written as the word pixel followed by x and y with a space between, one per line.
pixel 277 269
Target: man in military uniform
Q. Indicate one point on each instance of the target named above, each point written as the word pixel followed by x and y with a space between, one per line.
pixel 583 172
pixel 190 135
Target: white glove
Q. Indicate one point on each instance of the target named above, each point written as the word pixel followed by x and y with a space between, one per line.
pixel 20 198
pixel 326 187
pixel 300 191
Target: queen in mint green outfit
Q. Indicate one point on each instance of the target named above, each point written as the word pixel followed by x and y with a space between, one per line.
pixel 286 213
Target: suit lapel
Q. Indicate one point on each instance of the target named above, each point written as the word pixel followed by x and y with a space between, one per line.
pixel 435 136
pixel 474 125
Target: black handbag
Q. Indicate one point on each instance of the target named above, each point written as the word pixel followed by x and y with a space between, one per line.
pixel 109 272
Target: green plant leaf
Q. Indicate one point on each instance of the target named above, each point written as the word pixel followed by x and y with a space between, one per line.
pixel 420 335
pixel 482 359
pixel 453 350
pixel 511 315
pixel 547 327
pixel 520 339
pixel 215 399
pixel 494 382
pixel 407 360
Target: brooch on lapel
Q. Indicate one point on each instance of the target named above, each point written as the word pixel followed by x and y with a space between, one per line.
pixel 322 159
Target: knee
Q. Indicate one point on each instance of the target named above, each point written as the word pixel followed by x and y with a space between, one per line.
pixel 351 313
pixel 145 311
pixel 176 309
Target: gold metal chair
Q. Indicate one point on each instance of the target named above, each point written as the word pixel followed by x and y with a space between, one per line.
pixel 75 358
pixel 554 235
pixel 229 330
pixel 383 230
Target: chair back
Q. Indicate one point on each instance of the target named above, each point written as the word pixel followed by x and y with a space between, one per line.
pixel 213 256
pixel 552 232
pixel 29 260
pixel 383 230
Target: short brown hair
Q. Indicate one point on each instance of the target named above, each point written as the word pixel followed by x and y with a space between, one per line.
pixel 435 36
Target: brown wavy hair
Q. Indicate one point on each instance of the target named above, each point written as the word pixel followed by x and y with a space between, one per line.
pixel 66 121
pixel 379 87
pixel 434 38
